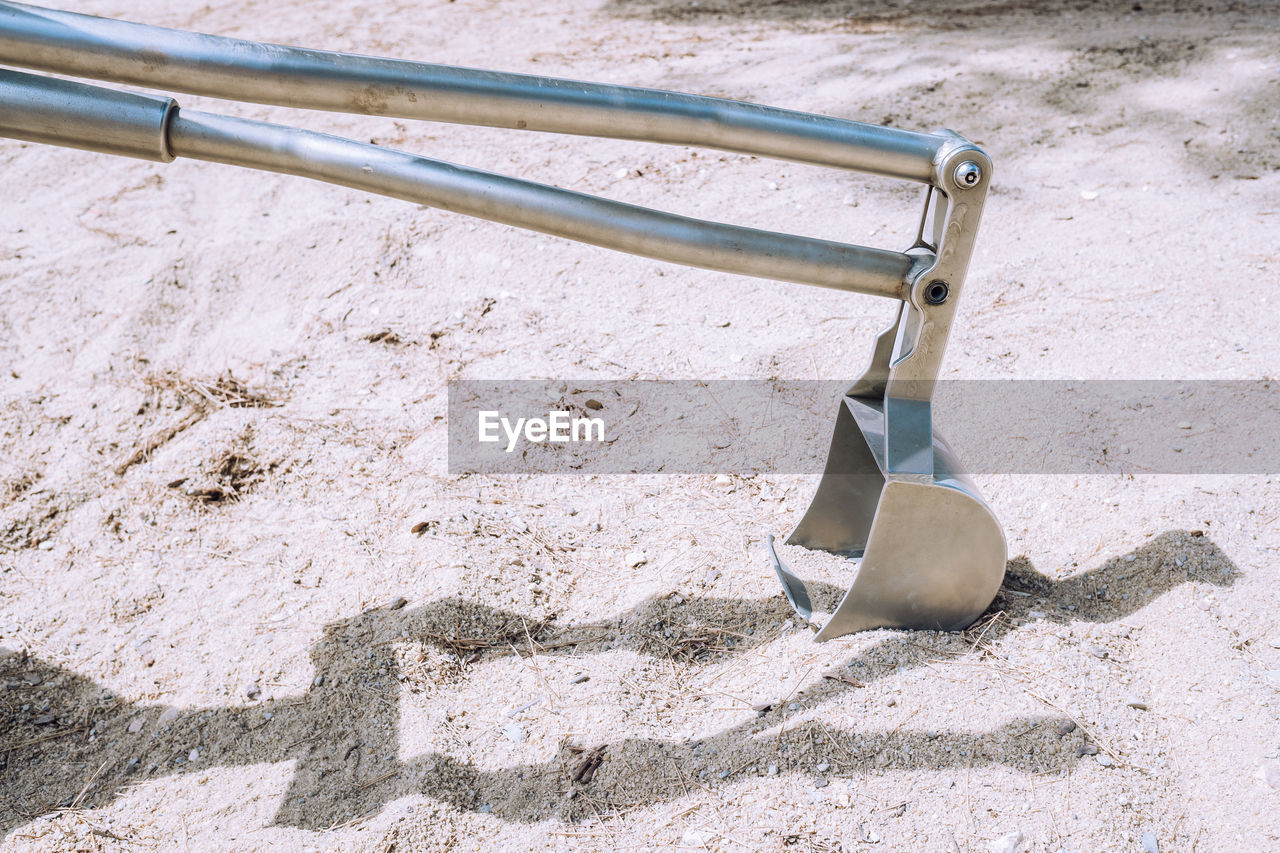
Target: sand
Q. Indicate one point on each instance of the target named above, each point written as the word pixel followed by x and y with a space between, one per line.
pixel 244 606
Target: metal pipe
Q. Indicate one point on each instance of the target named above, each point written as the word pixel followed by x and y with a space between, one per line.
pixel 538 207
pixel 137 54
pixel 96 118
pixel 59 112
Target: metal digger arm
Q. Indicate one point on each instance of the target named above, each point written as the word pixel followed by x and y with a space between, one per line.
pixel 119 51
pixel 889 407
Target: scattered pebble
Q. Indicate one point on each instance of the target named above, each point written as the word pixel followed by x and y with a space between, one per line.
pixel 1269 773
pixel 514 733
pixel 762 708
pixel 1088 195
pixel 794 706
pixel 1184 425
pixel 1139 704
pixel 1149 843
pixel 1066 727
pixel 1104 760
pixel 319 681
pixel 579 679
pixel 32 679
pixel 635 559
pixel 398 602
pixel 253 691
pixel 136 724
pixel 193 755
pixel 167 717
pixel 824 767
pixel 1098 652
pixel 772 771
pixel 1006 843
pixel 821 783
pixel 45 719
pixel 723 480
pixel 1086 749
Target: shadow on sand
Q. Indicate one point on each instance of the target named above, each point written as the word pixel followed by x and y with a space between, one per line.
pixel 64 743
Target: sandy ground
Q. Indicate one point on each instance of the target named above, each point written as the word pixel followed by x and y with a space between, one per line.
pixel 244 607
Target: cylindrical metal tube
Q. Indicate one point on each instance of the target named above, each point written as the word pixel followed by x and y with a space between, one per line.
pixel 537 207
pixel 105 49
pixel 42 109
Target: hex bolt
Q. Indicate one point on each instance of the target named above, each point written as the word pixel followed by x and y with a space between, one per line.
pixel 968 174
pixel 936 292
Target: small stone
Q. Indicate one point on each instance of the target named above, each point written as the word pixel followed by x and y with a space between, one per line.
pixel 1138 704
pixel 579 679
pixel 892 701
pixel 821 783
pixel 514 733
pixel 1066 727
pixel 635 559
pixel 723 774
pixel 762 708
pixel 772 771
pixel 723 480
pixel 1098 652
pixel 1149 843
pixel 32 678
pixel 824 767
pixel 1269 773
pixel 136 724
pixel 253 691
pixel 45 719
pixel 1184 425
pixel 1104 760
pixel 46 545
pixel 319 681
pixel 1086 749
pixel 398 602
pixel 1036 614
pixel 167 717
pixel 794 706
pixel 695 838
pixel 193 755
pixel 1088 195
pixel 711 576
pixel 1006 843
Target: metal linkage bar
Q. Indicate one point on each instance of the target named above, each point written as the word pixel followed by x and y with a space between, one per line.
pixel 156 57
pixel 79 115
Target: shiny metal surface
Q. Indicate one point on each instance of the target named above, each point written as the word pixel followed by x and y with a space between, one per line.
pixel 155 57
pixel 930 553
pixel 538 207
pixel 57 112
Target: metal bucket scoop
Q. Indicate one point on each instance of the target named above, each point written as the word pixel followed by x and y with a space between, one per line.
pixel 931 553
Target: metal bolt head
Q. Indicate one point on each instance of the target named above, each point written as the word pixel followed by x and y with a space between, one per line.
pixel 936 292
pixel 968 174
